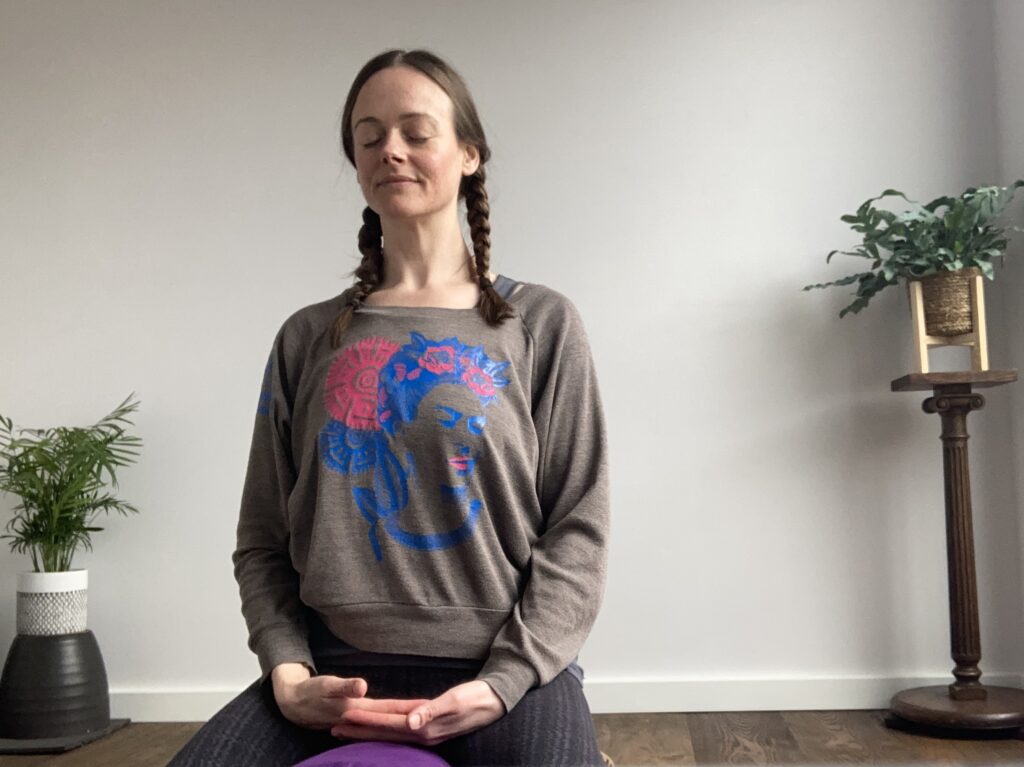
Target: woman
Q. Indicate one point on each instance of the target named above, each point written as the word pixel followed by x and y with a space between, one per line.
pixel 422 541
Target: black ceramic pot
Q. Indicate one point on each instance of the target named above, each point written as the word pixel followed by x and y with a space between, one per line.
pixel 53 686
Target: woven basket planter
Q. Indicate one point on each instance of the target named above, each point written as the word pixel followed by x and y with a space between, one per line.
pixel 50 604
pixel 947 302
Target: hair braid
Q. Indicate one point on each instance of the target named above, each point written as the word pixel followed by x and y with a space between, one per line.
pixel 493 308
pixel 368 274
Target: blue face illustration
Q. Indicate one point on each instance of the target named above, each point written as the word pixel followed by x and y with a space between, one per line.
pixel 387 406
pixel 440 451
pixel 467 426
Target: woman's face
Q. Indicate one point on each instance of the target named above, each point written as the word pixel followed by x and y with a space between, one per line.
pixel 402 125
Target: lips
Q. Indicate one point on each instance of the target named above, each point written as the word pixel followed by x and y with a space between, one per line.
pixel 396 179
pixel 459 462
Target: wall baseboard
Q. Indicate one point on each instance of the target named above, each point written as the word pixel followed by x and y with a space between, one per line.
pixel 609 695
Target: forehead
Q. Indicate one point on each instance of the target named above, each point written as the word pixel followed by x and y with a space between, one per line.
pixel 398 93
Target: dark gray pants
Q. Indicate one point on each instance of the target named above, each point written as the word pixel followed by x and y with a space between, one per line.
pixel 551 726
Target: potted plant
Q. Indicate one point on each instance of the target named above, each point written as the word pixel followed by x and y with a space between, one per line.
pixel 942 250
pixel 54 682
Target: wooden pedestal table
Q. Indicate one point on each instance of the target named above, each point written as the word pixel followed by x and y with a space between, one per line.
pixel 966 704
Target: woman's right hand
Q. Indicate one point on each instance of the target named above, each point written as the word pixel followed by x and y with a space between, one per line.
pixel 313 702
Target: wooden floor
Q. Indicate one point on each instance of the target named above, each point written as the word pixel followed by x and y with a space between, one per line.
pixel 790 737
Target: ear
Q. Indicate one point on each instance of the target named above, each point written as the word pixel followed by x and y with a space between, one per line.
pixel 471 160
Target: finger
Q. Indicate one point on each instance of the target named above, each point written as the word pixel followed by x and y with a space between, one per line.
pixel 377 728
pixel 392 705
pixel 370 726
pixel 378 719
pixel 373 733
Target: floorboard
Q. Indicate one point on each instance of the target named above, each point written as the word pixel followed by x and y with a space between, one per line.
pixel 796 738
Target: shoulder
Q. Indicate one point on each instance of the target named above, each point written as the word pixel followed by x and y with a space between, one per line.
pixel 545 309
pixel 305 324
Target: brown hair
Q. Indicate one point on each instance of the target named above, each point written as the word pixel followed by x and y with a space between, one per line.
pixel 493 308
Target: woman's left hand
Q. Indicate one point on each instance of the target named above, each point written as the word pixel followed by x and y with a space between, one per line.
pixel 463 708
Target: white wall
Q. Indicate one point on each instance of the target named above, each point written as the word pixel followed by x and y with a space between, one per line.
pixel 172 189
pixel 1008 18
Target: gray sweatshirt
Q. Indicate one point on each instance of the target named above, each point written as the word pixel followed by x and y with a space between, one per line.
pixel 435 487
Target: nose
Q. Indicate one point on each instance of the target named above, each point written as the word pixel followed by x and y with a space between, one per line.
pixel 391 147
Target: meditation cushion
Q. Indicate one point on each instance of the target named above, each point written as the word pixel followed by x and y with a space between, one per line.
pixel 374 753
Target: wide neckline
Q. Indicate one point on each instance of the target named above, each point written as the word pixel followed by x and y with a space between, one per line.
pixel 442 310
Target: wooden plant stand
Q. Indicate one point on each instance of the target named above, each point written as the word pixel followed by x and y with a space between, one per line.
pixel 977 339
pixel 966 704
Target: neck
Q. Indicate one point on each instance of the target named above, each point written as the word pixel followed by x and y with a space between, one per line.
pixel 425 252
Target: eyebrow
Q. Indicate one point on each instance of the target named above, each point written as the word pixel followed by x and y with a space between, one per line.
pixel 403 116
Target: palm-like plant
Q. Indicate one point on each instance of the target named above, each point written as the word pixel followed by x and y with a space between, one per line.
pixel 58 474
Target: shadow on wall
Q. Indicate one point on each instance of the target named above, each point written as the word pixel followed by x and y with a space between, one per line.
pixel 829 434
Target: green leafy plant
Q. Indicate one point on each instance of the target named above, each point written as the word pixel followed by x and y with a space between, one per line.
pixel 58 474
pixel 921 242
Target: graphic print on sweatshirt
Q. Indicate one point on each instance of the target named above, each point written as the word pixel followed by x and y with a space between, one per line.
pixel 373 394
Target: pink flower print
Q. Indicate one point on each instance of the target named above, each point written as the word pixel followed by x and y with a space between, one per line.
pixel 351 390
pixel 438 359
pixel 479 381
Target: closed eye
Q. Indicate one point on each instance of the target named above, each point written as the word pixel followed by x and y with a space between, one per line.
pixel 452 418
pixel 412 139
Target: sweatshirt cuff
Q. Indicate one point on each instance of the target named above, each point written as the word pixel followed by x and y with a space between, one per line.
pixel 280 644
pixel 509 676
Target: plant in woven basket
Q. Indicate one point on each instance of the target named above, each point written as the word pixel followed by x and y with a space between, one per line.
pixel 923 242
pixel 58 474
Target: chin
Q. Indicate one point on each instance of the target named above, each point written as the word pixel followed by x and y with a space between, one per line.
pixel 404 211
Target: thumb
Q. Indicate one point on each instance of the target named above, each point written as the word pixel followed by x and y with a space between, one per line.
pixel 420 715
pixel 353 687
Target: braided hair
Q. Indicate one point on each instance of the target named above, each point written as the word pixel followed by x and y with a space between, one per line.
pixel 468 129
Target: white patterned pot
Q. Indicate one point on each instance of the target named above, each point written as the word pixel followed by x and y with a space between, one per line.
pixel 51 604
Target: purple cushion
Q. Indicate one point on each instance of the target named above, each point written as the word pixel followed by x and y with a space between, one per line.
pixel 374 753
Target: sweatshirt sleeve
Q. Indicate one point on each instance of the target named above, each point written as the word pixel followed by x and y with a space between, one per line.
pixel 565 586
pixel 267 582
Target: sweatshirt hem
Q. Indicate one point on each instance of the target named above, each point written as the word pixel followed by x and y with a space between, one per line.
pixel 435 630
